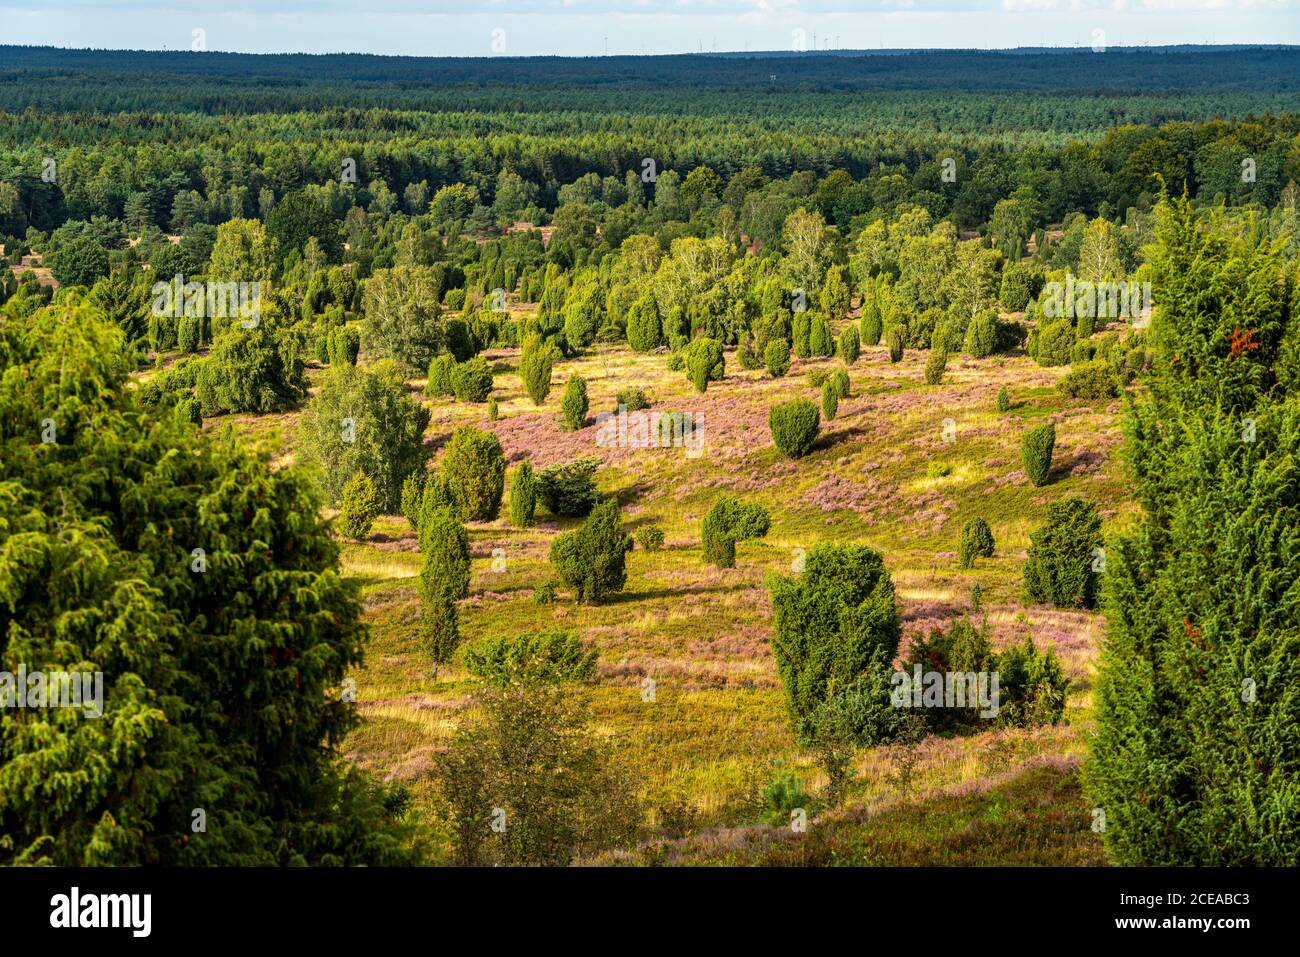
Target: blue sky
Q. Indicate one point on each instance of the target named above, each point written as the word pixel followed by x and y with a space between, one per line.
pixel 592 27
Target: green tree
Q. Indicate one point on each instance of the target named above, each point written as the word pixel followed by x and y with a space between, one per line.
pixel 850 346
pixel 777 358
pixel 254 369
pixel 298 218
pixel 535 361
pixel 727 522
pixel 704 362
pixel 242 252
pixel 830 400
pixel 591 559
pixel 81 262
pixel 359 509
pixel 471 381
pixel 573 404
pixel 364 420
pixel 523 496
pixel 644 327
pixel 1036 452
pixel 794 426
pixel 835 295
pixel 1064 557
pixel 402 317
pixel 474 468
pixel 830 624
pixel 976 541
pixel 224 575
pixel 1193 760
pixel 527 751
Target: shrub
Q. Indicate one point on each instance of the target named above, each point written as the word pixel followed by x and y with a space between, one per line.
pixel 191 411
pixel 835 296
pixel 1084 325
pixel 322 350
pixel 782 797
pixel 412 495
pixel 676 361
pixel 1019 285
pixel 343 345
pixel 745 353
pixel 794 426
pixel 704 362
pixel 535 360
pixel 850 346
pixel 1051 344
pixel 444 577
pixel 1059 568
pixel 523 496
pixel 820 341
pixel 976 541
pixel 1091 380
pixel 894 340
pixel 644 327
pixel 474 467
pixel 935 365
pixel 187 334
pixel 1003 402
pixel 547 656
pixel 829 624
pixel 801 330
pixel 830 400
pixel 976 598
pixel 251 370
pixel 471 381
pixel 962 648
pixel 569 490
pixel 544 594
pixel 573 405
pixel 870 322
pixel 364 419
pixel 727 522
pixel 1032 686
pixel 634 400
pixel 650 537
pixel 440 375
pixel 777 358
pixel 360 508
pixel 494 411
pixel 592 558
pixel 817 377
pixel 861 710
pixel 982 334
pixel 841 380
pixel 527 750
pixel 1036 452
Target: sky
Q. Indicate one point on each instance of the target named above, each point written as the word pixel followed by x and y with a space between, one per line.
pixel 596 27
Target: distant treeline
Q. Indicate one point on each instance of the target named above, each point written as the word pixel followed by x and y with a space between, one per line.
pixel 934 91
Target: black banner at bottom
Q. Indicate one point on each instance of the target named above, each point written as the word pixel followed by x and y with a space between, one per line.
pixel 215 906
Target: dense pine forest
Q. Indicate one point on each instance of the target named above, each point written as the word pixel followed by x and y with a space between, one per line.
pixel 879 457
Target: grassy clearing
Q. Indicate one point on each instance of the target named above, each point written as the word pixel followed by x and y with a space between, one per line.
pixel 716 731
